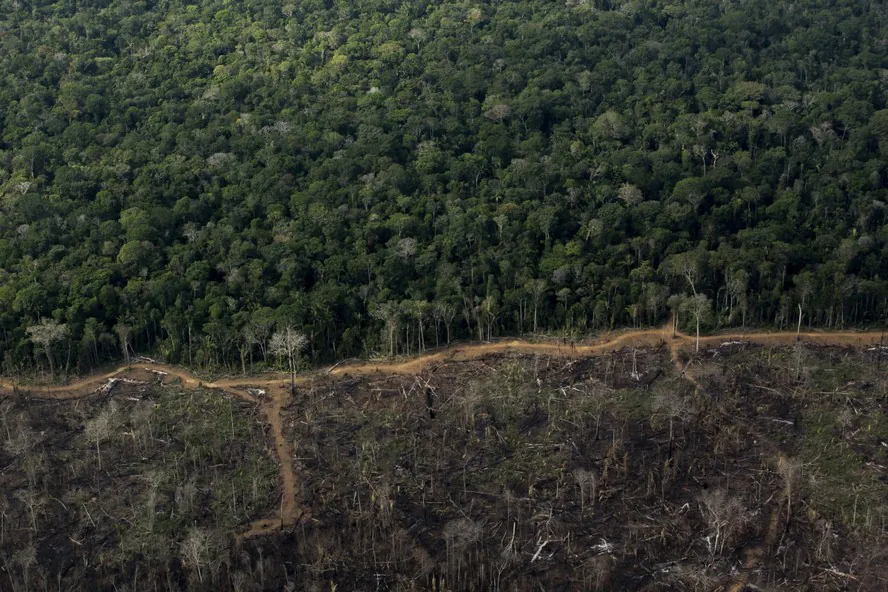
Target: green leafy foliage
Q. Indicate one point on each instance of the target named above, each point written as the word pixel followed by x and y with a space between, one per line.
pixel 191 169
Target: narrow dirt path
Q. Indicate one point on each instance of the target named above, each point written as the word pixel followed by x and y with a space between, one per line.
pixel 290 513
pixel 755 554
pixel 457 353
pixel 90 384
pixel 278 394
pixel 675 343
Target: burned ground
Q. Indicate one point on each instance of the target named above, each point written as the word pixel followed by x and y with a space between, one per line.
pixel 641 469
pixel 531 472
pixel 131 489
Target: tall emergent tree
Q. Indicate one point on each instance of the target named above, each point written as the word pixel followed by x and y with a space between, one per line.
pixel 698 306
pixel 46 333
pixel 288 344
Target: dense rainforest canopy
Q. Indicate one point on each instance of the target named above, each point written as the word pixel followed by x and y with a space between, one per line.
pixel 183 177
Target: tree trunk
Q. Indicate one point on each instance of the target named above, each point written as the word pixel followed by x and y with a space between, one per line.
pixel 521 317
pixel 698 335
pixel 799 329
pixel 51 363
pixel 671 433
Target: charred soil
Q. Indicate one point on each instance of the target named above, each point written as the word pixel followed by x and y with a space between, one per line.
pixel 633 463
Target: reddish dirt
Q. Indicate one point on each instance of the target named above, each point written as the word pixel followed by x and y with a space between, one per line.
pixel 278 393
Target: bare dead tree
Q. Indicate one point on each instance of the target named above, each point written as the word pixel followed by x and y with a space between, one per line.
pixel 140 420
pixel 700 307
pixel 124 332
pixel 184 496
pixel 20 438
pixel 448 313
pixel 587 481
pixel 390 313
pixel 46 333
pixel 32 501
pixel 459 535
pixel 790 470
pixel 4 512
pixel 726 516
pixel 630 194
pixel 153 480
pixel 537 289
pixel 196 551
pixel 26 558
pixel 98 429
pixel 670 405
pixel 288 344
pixel 686 265
pixel 260 333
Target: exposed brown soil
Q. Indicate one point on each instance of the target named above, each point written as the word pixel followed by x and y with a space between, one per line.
pixel 277 394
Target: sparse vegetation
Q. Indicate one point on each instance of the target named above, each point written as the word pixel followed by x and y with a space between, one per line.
pixel 522 478
pixel 138 489
pixel 642 468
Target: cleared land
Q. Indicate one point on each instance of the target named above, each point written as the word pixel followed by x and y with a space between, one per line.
pixel 630 462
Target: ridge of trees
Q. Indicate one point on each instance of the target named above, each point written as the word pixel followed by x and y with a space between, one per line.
pixel 187 178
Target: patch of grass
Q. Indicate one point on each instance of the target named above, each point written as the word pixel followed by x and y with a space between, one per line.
pixel 838 481
pixel 631 403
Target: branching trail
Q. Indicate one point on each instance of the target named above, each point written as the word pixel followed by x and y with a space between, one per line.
pixel 273 393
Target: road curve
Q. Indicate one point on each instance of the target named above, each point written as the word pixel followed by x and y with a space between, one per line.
pixel 276 387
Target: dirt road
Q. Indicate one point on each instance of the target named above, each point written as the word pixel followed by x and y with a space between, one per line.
pixel 277 392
